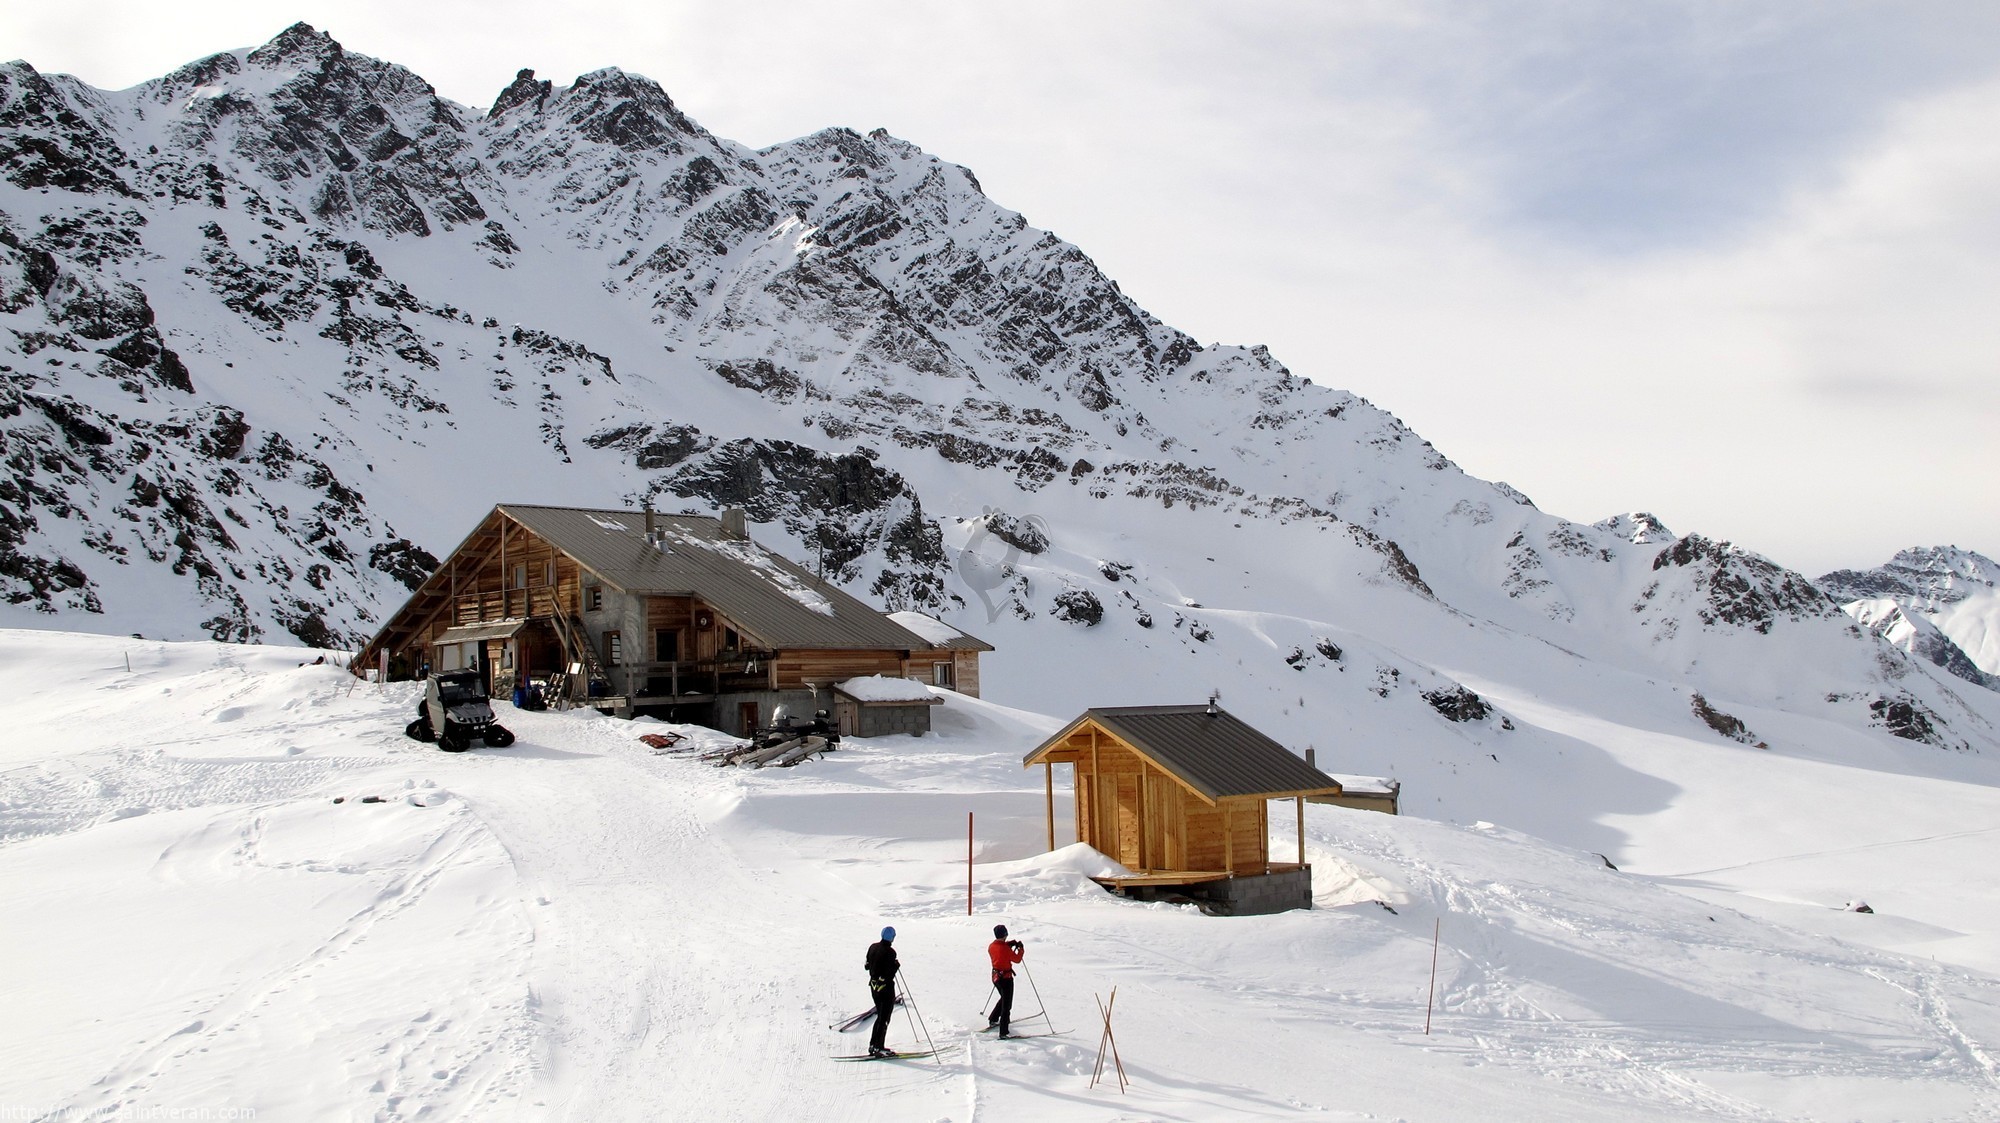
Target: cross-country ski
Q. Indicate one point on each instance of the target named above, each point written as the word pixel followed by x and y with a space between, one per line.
pixel 858 1020
pixel 918 1055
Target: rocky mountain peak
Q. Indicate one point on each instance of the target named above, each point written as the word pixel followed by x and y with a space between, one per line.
pixel 630 111
pixel 1926 577
pixel 299 46
pixel 1948 602
pixel 522 91
pixel 1638 528
pixel 52 136
pixel 1736 587
pixel 343 137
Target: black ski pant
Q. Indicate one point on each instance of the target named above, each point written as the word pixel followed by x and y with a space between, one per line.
pixel 1003 1009
pixel 884 993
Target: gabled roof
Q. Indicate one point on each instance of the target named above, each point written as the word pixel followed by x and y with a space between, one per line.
pixel 1214 753
pixel 777 601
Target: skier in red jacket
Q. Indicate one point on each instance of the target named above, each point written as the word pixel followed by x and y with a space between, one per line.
pixel 1004 953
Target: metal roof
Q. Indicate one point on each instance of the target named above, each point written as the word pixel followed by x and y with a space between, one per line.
pixel 777 601
pixel 1215 753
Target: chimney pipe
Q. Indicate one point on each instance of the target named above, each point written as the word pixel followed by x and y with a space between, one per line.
pixel 733 526
pixel 649 522
pixel 1311 761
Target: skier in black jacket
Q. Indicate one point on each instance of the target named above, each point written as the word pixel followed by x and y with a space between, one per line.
pixel 882 966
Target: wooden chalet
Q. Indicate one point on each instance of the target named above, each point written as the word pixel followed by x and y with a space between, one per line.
pixel 1180 796
pixel 626 611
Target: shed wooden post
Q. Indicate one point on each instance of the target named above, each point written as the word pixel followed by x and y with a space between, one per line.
pixel 1301 801
pixel 1096 795
pixel 1228 841
pixel 1049 799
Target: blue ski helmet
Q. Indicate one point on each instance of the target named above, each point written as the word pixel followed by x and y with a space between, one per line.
pixel 888 933
pixel 999 931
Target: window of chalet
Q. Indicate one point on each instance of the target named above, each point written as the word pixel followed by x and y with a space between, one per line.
pixel 730 640
pixel 614 649
pixel 521 576
pixel 593 598
pixel 549 572
pixel 941 675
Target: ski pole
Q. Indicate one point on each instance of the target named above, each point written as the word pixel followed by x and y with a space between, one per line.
pixel 1044 1015
pixel 919 1017
pixel 991 990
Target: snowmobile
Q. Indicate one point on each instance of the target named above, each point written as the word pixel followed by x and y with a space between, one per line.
pixel 455 711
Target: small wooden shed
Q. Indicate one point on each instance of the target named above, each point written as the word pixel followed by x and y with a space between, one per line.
pixel 1180 795
pixel 878 706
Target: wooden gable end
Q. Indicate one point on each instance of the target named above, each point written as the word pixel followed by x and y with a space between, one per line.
pixel 1140 814
pixel 501 571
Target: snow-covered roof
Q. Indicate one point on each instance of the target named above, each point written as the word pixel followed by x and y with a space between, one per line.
pixel 1366 785
pixel 939 633
pixel 885 690
pixel 777 600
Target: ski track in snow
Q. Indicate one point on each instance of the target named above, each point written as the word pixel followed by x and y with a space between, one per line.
pixel 1505 1022
pixel 126 1085
pixel 580 928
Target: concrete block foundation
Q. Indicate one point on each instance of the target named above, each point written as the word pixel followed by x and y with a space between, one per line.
pixel 1243 895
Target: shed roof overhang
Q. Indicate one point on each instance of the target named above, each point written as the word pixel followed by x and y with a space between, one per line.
pixel 467 633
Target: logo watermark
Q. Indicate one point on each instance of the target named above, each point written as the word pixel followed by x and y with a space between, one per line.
pixel 988 559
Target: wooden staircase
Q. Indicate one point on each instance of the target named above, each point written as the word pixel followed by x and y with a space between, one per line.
pixel 571 685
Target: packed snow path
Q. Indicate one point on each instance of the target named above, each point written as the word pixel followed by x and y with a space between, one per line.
pixel 578 927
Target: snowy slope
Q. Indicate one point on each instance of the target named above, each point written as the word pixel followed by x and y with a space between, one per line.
pixel 579 928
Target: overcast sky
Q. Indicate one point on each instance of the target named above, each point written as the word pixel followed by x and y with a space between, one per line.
pixel 1737 264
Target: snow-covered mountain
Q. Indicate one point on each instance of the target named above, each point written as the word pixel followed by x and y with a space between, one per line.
pixel 279 326
pixel 1941 603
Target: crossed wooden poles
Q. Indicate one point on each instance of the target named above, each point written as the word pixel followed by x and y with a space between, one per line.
pixel 1106 1040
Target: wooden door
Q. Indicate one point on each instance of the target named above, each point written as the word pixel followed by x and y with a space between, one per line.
pixel 1165 846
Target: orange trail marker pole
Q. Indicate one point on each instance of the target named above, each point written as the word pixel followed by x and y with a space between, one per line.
pixel 1436 925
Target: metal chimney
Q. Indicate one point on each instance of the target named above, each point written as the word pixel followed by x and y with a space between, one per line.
pixel 733 526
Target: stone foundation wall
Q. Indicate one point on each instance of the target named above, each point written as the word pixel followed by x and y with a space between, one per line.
pixel 1253 895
